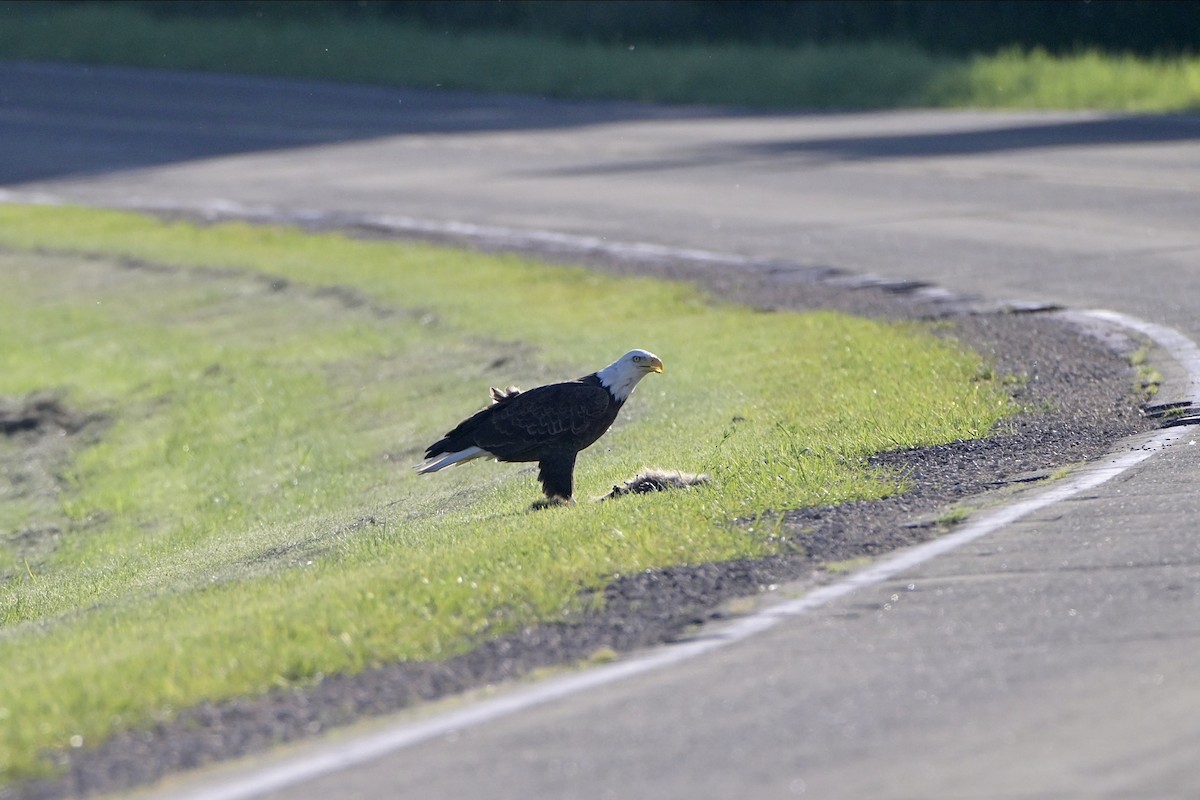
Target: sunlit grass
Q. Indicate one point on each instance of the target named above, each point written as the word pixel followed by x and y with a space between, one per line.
pixel 877 75
pixel 248 518
pixel 1019 79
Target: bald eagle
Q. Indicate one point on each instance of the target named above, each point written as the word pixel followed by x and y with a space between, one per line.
pixel 549 424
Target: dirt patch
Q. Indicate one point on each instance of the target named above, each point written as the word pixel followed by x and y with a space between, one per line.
pixel 39 435
pixel 1078 395
pixel 40 414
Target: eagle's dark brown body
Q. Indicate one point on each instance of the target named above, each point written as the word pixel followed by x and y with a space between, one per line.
pixel 549 425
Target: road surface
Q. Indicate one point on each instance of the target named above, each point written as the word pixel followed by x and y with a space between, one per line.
pixel 1058 657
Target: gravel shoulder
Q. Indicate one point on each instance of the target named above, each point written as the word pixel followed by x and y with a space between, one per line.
pixel 1079 396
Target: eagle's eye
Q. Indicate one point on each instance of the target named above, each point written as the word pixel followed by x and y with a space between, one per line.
pixel 636 359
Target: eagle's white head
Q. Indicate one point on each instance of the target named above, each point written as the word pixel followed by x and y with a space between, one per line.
pixel 621 376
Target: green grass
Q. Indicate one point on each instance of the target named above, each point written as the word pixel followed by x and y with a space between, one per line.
pixel 878 75
pixel 1016 79
pixel 248 518
pixel 1148 379
pixel 954 515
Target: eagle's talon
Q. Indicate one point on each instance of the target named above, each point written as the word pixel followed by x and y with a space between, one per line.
pixel 551 502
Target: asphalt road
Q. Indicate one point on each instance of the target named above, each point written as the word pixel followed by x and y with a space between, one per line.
pixel 1056 658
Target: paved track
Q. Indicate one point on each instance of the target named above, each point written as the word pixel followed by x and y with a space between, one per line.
pixel 1057 658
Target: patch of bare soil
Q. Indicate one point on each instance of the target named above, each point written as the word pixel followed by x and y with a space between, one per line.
pixel 1078 397
pixel 38 435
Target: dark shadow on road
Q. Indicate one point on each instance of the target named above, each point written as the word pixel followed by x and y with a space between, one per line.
pixel 59 120
pixel 1076 133
pixel 1073 133
pixel 66 119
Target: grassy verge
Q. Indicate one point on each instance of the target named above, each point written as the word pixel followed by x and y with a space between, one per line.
pixel 248 518
pixel 854 76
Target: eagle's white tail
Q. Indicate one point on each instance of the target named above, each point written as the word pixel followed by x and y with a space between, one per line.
pixel 449 459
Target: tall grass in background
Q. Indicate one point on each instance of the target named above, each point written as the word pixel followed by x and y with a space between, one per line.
pixel 881 75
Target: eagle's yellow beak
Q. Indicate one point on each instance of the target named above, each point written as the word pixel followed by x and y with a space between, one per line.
pixel 656 365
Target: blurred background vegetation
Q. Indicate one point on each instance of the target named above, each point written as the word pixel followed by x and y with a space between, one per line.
pixel 1134 55
pixel 958 27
